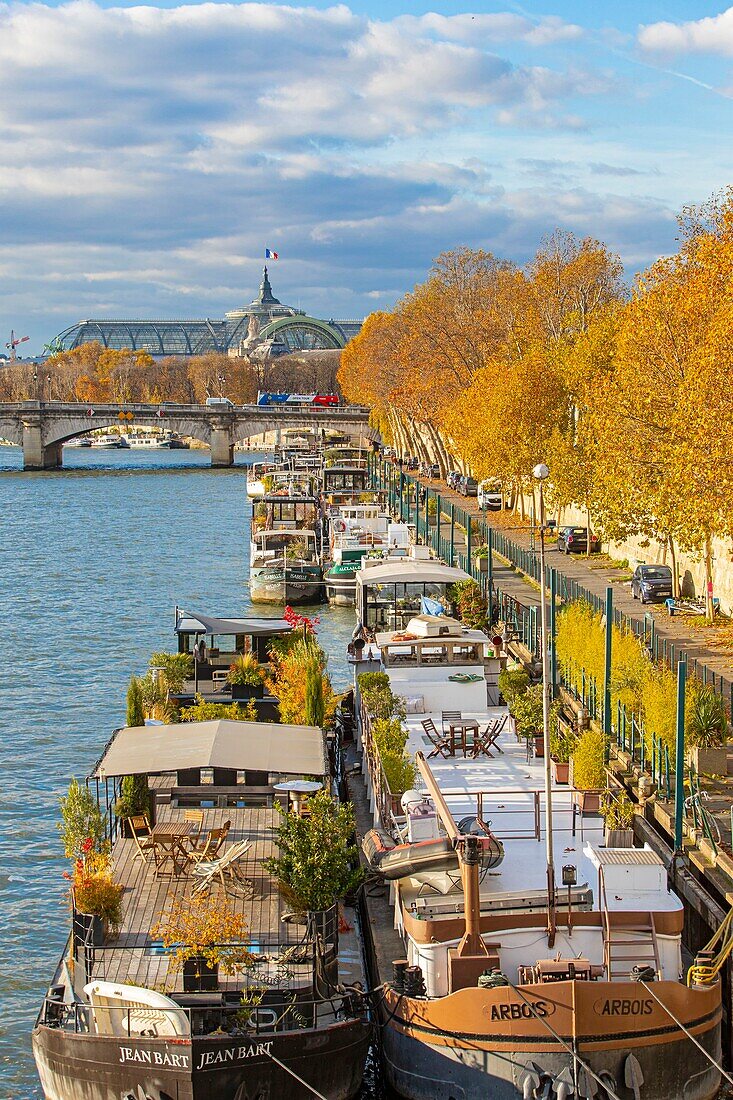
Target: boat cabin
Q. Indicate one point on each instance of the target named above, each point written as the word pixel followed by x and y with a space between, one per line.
pixel 284 510
pixel 282 545
pixel 343 482
pixel 390 592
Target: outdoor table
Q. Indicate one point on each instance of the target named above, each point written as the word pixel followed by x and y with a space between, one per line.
pixel 170 839
pixel 461 728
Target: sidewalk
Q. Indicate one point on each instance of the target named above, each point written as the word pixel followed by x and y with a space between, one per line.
pixel 696 642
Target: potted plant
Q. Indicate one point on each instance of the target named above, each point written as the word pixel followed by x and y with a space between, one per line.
pixel 317 863
pixel 618 816
pixel 246 677
pixel 96 899
pixel 512 682
pixel 135 798
pixel 587 770
pixel 526 710
pixel 204 936
pixel 482 559
pixel 562 742
pixel 707 732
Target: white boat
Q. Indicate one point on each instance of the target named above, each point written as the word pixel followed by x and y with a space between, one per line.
pixel 355 531
pixel 109 442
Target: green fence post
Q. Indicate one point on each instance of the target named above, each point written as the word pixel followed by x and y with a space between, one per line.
pixel 439 502
pixel 452 533
pixel 679 760
pixel 469 535
pixel 490 573
pixel 607 673
pixel 553 631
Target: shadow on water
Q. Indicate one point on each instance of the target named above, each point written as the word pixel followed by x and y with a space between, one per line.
pixel 95 558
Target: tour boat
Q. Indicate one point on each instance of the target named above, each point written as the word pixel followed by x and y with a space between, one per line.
pixel 109 441
pixel 121 1020
pixel 358 530
pixel 530 959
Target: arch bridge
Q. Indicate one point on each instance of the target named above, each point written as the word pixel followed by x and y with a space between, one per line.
pixel 42 428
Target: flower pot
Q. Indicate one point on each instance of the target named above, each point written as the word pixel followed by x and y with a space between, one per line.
pixel 561 771
pixel 482 564
pixel 588 801
pixel 619 838
pixel 713 761
pixel 248 691
pixel 539 744
pixel 199 977
pixel 88 929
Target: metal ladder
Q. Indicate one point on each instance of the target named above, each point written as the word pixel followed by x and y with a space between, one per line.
pixel 637 943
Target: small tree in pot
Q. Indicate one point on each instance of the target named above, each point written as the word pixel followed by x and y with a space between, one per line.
pixel 526 710
pixel 563 740
pixel 246 677
pixel 317 863
pixel 204 936
pixel 618 816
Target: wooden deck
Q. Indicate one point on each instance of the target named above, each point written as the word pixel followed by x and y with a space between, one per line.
pixel 136 957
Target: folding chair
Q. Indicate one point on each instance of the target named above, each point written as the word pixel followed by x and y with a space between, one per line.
pixel 448 716
pixel 141 834
pixel 441 744
pixel 212 844
pixel 210 869
pixel 487 738
pixel 197 816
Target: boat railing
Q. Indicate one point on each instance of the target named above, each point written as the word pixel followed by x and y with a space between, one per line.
pixel 214 1012
pixel 387 805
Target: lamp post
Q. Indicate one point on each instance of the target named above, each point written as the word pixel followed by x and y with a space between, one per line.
pixel 541 473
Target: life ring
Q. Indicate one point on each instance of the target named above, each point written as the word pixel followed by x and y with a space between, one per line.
pixel 339 525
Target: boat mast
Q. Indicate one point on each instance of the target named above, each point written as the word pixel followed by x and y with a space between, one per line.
pixel 541 473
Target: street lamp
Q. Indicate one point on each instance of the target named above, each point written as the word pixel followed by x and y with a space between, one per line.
pixel 541 473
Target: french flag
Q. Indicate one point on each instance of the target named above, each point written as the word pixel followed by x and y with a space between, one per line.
pixel 270 255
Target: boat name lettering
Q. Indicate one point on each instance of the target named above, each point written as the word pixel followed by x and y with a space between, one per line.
pixel 232 1054
pixel 153 1058
pixel 637 1006
pixel 519 1012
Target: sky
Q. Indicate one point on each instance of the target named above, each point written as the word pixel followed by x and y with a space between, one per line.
pixel 150 153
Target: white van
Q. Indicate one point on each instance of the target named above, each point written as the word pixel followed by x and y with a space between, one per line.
pixel 220 401
pixel 489 496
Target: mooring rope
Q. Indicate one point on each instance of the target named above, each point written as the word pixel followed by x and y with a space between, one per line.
pixel 298 1079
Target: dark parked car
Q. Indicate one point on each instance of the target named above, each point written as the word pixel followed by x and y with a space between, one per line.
pixel 651 583
pixel 574 540
pixel 411 462
pixel 468 487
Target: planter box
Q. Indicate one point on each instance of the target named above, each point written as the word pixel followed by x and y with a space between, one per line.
pixel 87 928
pixel 619 838
pixel 709 761
pixel 247 691
pixel 589 802
pixel 199 977
pixel 482 564
pixel 539 745
pixel 560 771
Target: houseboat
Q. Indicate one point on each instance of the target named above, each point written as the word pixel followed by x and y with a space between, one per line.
pixel 390 591
pixel 109 441
pixel 357 531
pixel 285 549
pixel 125 1016
pixel 258 479
pixel 531 960
pixel 344 484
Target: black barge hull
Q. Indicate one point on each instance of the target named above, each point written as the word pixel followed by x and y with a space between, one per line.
pixel 76 1066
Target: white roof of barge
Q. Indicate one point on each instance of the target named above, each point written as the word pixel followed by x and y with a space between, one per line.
pixel 259 746
pixel 411 572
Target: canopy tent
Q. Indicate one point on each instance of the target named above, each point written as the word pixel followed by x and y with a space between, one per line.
pixel 189 623
pixel 259 746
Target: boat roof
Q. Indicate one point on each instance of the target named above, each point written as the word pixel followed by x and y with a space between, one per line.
pixel 189 623
pixel 404 569
pixel 260 746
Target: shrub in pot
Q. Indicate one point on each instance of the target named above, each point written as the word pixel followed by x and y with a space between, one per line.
pixel 246 677
pixel 588 773
pixel 617 810
pixel 563 740
pixel 95 894
pixel 707 732
pixel 526 709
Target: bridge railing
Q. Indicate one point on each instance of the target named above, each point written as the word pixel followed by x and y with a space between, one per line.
pixel 163 408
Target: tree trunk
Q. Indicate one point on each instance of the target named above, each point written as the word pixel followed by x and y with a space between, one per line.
pixel 675 575
pixel 709 577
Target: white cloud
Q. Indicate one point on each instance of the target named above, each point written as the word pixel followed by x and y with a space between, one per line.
pixel 713 34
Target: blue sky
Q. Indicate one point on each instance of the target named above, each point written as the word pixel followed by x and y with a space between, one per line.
pixel 150 153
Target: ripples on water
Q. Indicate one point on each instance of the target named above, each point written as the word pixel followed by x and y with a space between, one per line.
pixel 93 561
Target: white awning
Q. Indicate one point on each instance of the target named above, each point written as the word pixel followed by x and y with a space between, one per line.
pixel 403 570
pixel 256 746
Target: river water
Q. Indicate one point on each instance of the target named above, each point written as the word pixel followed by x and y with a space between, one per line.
pixel 93 560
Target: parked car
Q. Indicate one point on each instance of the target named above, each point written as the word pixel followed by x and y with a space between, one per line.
pixel 651 583
pixel 213 401
pixel 574 540
pixel 490 496
pixel 468 487
pixel 411 462
pixel 452 478
pixel 433 470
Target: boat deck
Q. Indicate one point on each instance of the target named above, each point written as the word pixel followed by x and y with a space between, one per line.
pixel 137 957
pixel 510 792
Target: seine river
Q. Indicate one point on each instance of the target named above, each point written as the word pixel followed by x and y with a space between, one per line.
pixel 94 560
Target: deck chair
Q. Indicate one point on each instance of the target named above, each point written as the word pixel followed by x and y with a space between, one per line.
pixel 197 816
pixel 448 716
pixel 212 844
pixel 142 835
pixel 440 743
pixel 209 869
pixel 487 738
